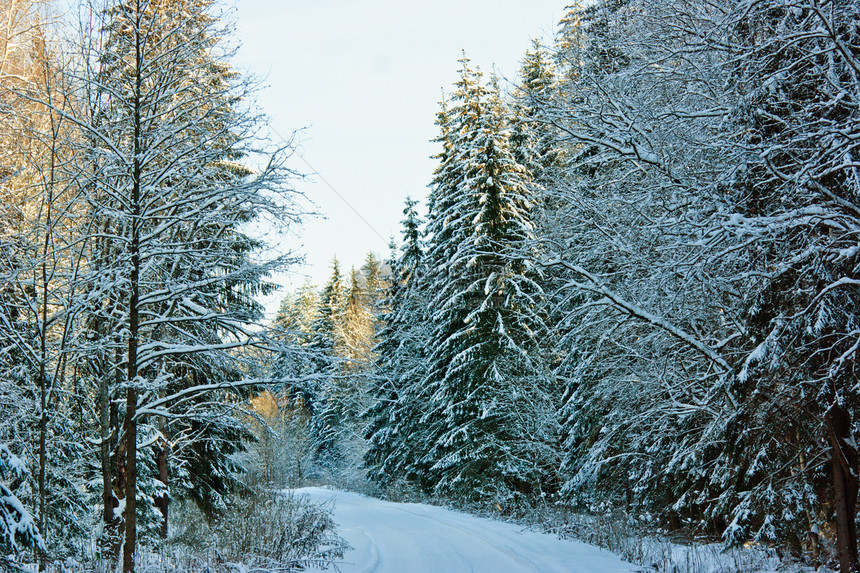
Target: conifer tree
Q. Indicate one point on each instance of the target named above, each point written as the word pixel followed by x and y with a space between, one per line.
pixel 328 343
pixel 294 329
pixel 374 281
pixel 357 322
pixel 393 418
pixel 297 313
pixel 535 140
pixel 327 329
pixel 486 296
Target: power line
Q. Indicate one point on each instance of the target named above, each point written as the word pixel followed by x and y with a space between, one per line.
pixel 330 186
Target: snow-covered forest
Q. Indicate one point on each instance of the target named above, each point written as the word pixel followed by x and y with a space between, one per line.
pixel 632 290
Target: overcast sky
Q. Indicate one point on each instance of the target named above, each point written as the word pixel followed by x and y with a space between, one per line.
pixel 365 77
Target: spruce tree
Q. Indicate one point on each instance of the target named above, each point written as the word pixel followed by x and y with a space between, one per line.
pixel 396 407
pixel 484 361
pixel 328 343
pixel 536 142
pixel 357 323
pixel 374 281
pixel 294 331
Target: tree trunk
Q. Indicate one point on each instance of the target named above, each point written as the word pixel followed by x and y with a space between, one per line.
pixel 43 458
pixel 130 545
pixel 131 394
pixel 43 328
pixel 128 549
pixel 109 544
pixel 845 487
pixel 163 501
pixel 133 316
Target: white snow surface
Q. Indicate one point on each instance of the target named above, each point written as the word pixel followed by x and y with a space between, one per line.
pixel 392 537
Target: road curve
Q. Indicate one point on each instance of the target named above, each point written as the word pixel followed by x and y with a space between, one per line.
pixel 414 538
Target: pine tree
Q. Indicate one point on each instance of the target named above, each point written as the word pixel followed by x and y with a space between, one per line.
pixel 483 354
pixel 297 313
pixel 357 322
pixel 296 359
pixel 374 281
pixel 536 141
pixel 327 329
pixel 393 418
pixel 328 342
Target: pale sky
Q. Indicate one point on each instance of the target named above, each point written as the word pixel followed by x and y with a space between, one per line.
pixel 365 78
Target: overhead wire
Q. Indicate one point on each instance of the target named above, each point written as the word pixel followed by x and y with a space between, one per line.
pixel 319 175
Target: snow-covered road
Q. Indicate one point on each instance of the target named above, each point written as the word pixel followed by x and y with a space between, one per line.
pixel 414 538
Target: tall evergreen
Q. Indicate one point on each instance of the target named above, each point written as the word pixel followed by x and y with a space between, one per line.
pixel 374 282
pixel 396 390
pixel 484 364
pixel 357 322
pixel 294 329
pixel 329 347
pixel 535 139
pixel 327 337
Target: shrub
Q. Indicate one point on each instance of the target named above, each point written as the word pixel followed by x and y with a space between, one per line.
pixel 271 531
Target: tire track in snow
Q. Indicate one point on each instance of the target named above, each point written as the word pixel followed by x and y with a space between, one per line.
pixel 373 565
pixel 392 537
pixel 510 553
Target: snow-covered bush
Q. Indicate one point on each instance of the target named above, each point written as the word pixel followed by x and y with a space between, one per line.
pixel 18 530
pixel 276 531
pixel 281 528
pixel 637 540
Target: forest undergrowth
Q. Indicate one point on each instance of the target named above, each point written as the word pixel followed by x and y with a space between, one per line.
pixel 656 549
pixel 270 532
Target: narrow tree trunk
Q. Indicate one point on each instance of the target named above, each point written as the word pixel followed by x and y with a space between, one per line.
pixel 109 544
pixel 43 328
pixel 131 394
pixel 163 501
pixel 43 461
pixel 128 550
pixel 133 303
pixel 130 420
pixel 845 487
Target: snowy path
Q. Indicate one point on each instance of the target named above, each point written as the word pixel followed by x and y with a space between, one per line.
pixel 414 538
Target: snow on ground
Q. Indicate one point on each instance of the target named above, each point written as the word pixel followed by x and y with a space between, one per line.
pixel 414 538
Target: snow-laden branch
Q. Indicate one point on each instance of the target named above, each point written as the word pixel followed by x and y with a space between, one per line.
pixel 594 285
pixel 161 404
